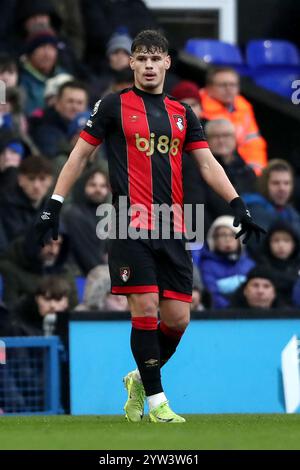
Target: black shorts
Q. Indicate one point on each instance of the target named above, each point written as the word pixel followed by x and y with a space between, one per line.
pixel 141 266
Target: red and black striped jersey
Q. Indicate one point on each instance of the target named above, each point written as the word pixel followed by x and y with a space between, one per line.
pixel 145 136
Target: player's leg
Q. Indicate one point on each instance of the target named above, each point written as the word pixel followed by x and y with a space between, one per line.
pixel 174 319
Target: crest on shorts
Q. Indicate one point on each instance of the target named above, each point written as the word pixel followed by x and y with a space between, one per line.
pixel 125 273
pixel 179 121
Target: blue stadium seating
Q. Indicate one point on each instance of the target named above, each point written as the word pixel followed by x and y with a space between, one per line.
pixel 213 51
pixel 279 82
pixel 80 285
pixel 271 52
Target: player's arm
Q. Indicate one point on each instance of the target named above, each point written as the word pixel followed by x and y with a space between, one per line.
pixel 49 218
pixel 215 176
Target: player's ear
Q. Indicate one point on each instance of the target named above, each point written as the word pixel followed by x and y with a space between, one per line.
pixel 132 62
pixel 167 62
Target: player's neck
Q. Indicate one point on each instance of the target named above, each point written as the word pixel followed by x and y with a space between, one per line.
pixel 154 91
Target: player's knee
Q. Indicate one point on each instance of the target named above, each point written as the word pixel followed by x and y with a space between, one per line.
pixel 144 304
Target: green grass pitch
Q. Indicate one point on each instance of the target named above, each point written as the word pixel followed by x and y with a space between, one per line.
pixel 113 432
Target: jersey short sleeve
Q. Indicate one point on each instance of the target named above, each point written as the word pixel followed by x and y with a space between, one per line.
pixel 195 138
pixel 100 120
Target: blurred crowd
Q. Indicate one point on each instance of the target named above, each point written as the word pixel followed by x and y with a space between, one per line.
pixel 57 58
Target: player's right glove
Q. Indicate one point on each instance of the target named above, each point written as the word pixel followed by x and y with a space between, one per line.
pixel 243 217
pixel 48 221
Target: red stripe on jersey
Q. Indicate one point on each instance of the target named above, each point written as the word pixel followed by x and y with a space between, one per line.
pixel 177 117
pixel 196 145
pixel 89 138
pixel 139 166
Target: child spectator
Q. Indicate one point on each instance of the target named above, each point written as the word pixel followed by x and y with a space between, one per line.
pixel 281 253
pixel 223 262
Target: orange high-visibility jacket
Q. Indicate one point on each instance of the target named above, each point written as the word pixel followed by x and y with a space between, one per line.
pixel 251 145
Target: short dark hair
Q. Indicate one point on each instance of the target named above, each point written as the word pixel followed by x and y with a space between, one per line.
pixel 95 171
pixel 151 41
pixel 213 71
pixel 54 287
pixel 36 165
pixel 7 63
pixel 75 84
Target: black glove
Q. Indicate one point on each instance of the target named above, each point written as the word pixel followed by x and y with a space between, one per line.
pixel 48 220
pixel 242 216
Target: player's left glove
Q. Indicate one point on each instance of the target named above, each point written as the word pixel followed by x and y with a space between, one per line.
pixel 48 221
pixel 243 217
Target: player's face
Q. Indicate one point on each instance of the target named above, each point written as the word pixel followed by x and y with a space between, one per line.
pixel 150 70
pixel 280 187
pixel 259 292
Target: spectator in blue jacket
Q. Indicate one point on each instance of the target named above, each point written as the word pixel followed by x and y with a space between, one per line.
pixel 272 201
pixel 223 262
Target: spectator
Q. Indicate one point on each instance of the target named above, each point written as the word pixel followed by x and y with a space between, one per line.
pixel 259 291
pixel 281 253
pixel 118 52
pixel 221 138
pixel 20 205
pixel 32 314
pixel 25 263
pixel 197 304
pixel 122 79
pixel 12 150
pixel 35 15
pixel 96 287
pixel 223 262
pixel 221 99
pixel 272 201
pixel 8 70
pixel 50 133
pixel 80 220
pixel 53 85
pixel 39 63
pixel 188 92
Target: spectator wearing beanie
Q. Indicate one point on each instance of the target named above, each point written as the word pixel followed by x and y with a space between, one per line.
pixel 223 262
pixel 38 65
pixel 188 92
pixel 118 52
pixel 258 292
pixel 281 253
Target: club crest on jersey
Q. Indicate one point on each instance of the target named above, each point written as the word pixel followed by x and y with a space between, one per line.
pixel 125 273
pixel 179 121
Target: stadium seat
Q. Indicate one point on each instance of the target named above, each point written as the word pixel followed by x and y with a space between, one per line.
pixel 214 51
pixel 277 81
pixel 217 52
pixel 80 286
pixel 272 52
